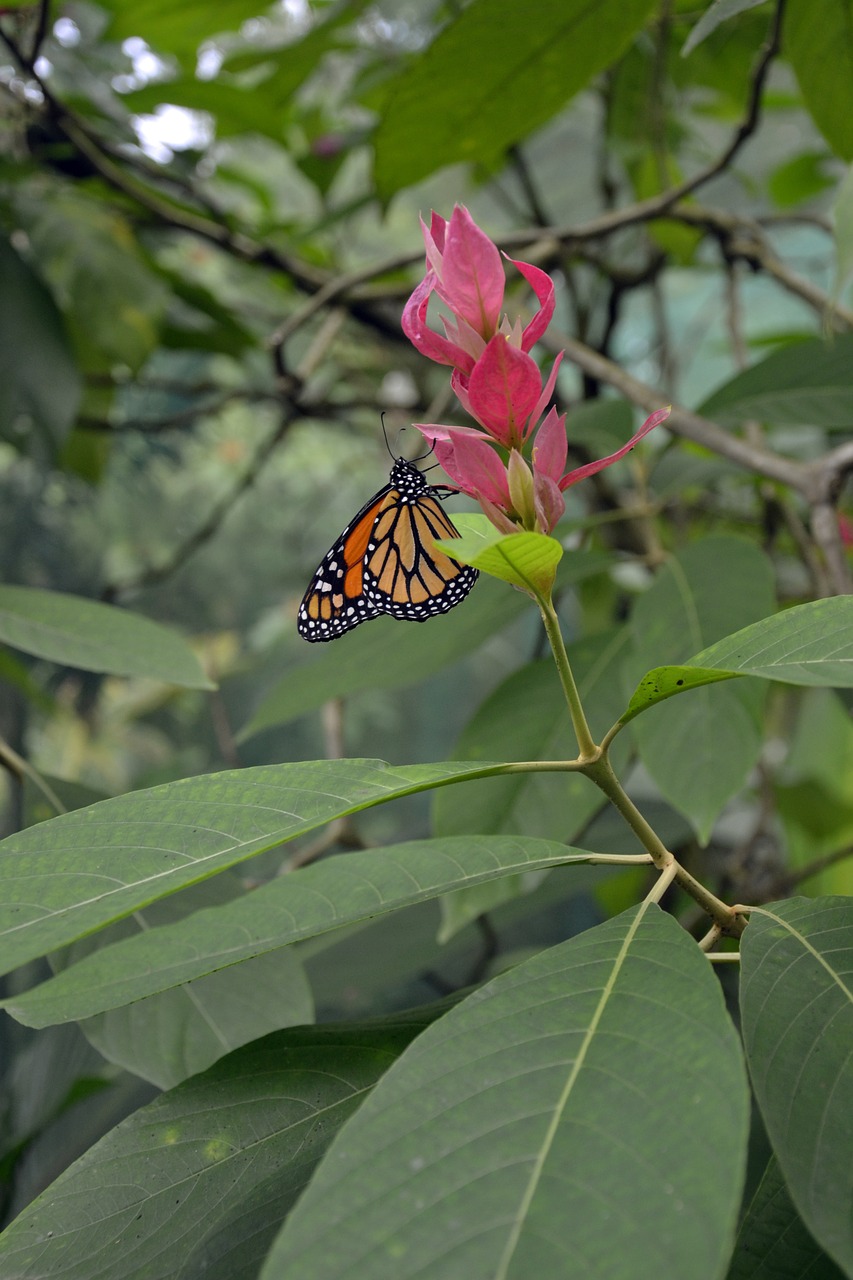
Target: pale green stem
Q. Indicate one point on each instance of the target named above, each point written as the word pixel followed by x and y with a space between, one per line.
pixel 587 750
pixel 663 882
pixel 594 762
pixel 21 768
pixel 601 773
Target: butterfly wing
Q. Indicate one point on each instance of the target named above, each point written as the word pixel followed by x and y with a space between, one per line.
pixel 335 601
pixel 386 561
pixel 405 574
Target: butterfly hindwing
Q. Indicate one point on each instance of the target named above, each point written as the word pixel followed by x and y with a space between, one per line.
pixel 386 561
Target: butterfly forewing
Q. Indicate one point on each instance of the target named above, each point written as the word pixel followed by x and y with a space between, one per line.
pixel 386 561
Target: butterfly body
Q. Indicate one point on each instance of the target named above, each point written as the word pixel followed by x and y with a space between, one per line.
pixel 386 561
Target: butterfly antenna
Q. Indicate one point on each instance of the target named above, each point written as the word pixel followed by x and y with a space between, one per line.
pixel 385 434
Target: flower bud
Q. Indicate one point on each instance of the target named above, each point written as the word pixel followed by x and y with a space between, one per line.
pixel 521 493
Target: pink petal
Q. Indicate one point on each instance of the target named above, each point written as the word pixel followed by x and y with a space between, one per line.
pixel 459 387
pixel 551 447
pixel 438 228
pixel 503 387
pixel 543 286
pixel 549 502
pixel 434 241
pixel 472 274
pixel 474 466
pixel 547 392
pixel 433 431
pixel 427 341
pixel 462 335
pixel 592 468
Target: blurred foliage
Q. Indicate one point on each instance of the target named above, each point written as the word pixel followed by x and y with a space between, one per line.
pixel 208 227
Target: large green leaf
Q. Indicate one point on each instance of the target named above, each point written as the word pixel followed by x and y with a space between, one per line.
pixel 386 655
pixel 807 382
pixel 809 644
pixel 441 112
pixel 720 11
pixel 821 53
pixel 112 299
pixel 177 1033
pixel 95 637
pixel 178 29
pixel 797 1012
pixel 40 384
pixel 197 1183
pixel 701 751
pixel 62 879
pixel 569 1091
pixel 526 718
pixel 814 790
pixel 314 900
pixel 261 106
pixel 772 1243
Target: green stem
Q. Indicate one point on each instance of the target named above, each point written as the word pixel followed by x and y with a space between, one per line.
pixel 601 773
pixel 21 769
pixel 587 749
pixel 594 761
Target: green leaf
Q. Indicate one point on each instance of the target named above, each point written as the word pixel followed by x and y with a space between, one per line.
pixel 800 179
pixel 527 560
pixel 261 105
pixel 526 718
pixel 804 383
pixel 82 870
pixel 198 1182
pixel 797 1013
pixel 810 644
pixel 235 108
pixel 177 1033
pixel 719 12
pixel 701 751
pixel 40 385
pixel 95 637
pixel 313 900
pixel 178 29
pixel 664 682
pixel 439 113
pixel 387 655
pixel 602 425
pixel 111 297
pixel 814 791
pixel 821 54
pixel 560 1092
pixel 772 1243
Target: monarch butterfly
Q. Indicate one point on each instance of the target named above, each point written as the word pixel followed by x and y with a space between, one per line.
pixel 386 561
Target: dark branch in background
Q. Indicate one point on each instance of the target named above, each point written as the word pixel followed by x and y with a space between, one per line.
pixel 293 409
pixel 205 531
pixel 740 238
pixel 41 28
pixel 776 505
pixel 528 186
pixel 181 418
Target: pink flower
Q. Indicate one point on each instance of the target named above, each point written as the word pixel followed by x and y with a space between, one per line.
pixel 476 468
pixel 496 381
pixel 465 271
